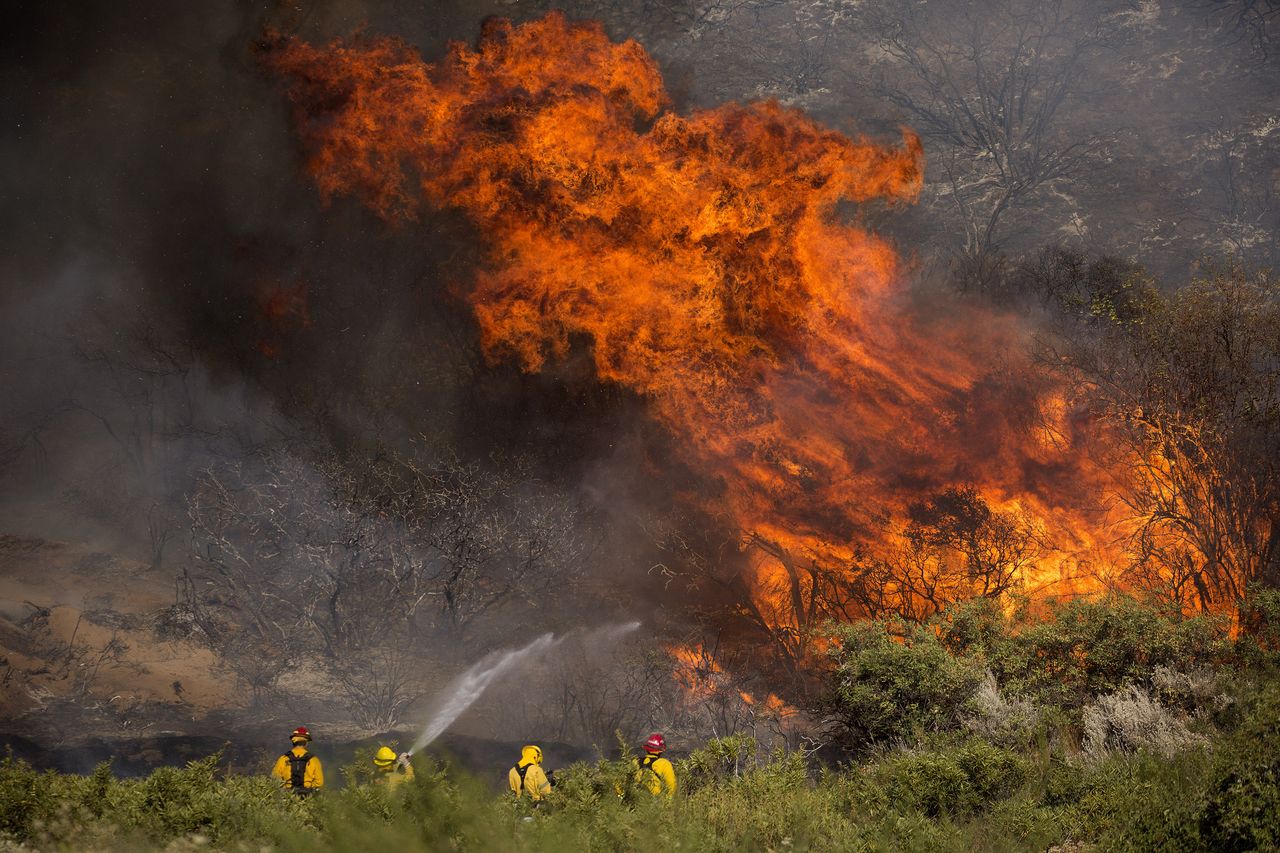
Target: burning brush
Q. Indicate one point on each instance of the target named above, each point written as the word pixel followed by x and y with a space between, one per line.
pixel 702 257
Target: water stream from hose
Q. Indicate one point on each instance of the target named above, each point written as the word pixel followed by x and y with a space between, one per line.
pixel 464 690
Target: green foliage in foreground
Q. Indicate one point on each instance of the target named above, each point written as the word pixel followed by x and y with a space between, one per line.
pixel 894 682
pixel 1107 725
pixel 949 794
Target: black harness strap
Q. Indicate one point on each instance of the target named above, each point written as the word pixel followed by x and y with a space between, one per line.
pixel 648 761
pixel 298 768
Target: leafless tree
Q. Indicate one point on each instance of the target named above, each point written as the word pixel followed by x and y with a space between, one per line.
pixel 358 561
pixel 720 692
pixel 951 547
pixel 782 603
pixel 1251 20
pixel 689 685
pixel 984 551
pixel 1190 384
pixel 985 85
pixel 585 694
pixel 1239 205
pixel 135 393
pixel 494 537
pixel 789 604
pixel 787 48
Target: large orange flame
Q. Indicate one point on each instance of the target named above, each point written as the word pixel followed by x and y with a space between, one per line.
pixel 703 259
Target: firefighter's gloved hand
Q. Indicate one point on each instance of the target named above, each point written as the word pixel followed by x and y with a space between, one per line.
pixel 402 760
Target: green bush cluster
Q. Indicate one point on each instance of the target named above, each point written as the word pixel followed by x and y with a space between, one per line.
pixel 893 680
pixel 1229 800
pixel 1084 648
pixel 52 808
pixel 952 794
pixel 918 778
pixel 1080 648
pixel 960 781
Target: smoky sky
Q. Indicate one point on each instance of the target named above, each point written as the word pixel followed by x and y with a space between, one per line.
pixel 167 270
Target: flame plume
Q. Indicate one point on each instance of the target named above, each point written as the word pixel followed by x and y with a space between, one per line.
pixel 703 259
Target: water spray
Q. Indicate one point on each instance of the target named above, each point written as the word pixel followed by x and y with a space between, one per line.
pixel 464 690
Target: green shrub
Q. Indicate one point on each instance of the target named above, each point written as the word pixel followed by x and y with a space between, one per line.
pixel 889 682
pixel 893 682
pixel 966 795
pixel 972 628
pixel 1134 801
pixel 1022 824
pixel 1087 648
pixel 1259 641
pixel 27 798
pixel 884 689
pixel 956 781
pixel 720 759
pixel 585 786
pixel 1242 802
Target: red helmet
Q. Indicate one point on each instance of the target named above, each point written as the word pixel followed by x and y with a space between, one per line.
pixel 655 743
pixel 301 733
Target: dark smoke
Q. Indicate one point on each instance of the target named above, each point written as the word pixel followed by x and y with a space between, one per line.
pixel 174 295
pixel 151 182
pixel 162 250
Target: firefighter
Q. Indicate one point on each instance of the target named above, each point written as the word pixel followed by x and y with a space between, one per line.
pixel 390 769
pixel 527 777
pixel 298 770
pixel 654 772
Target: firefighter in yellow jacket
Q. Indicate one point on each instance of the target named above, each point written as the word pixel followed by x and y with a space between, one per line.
pixel 298 770
pixel 528 777
pixel 654 772
pixel 390 769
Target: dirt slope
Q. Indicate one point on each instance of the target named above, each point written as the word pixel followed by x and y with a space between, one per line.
pixel 90 632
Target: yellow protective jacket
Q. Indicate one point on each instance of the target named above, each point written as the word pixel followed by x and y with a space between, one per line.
pixel 393 777
pixel 535 782
pixel 656 774
pixel 312 777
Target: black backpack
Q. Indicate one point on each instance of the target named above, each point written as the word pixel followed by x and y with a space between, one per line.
pixel 298 769
pixel 520 771
pixel 648 761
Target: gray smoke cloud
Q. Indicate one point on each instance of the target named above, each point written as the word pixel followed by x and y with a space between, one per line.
pixel 173 295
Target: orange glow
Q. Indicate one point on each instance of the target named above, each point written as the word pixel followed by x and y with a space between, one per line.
pixel 702 259
pixel 701 677
pixel 696 671
pixel 282 310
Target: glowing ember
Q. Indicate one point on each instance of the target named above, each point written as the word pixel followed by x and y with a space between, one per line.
pixel 282 310
pixel 697 671
pixel 703 259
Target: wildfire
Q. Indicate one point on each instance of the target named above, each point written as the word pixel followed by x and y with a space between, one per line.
pixel 701 677
pixel 697 671
pixel 702 259
pixel 282 310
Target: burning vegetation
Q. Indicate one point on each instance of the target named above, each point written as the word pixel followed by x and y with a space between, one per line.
pixel 872 459
pixel 869 468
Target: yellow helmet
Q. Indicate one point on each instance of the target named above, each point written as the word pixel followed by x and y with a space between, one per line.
pixel 385 758
pixel 531 755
